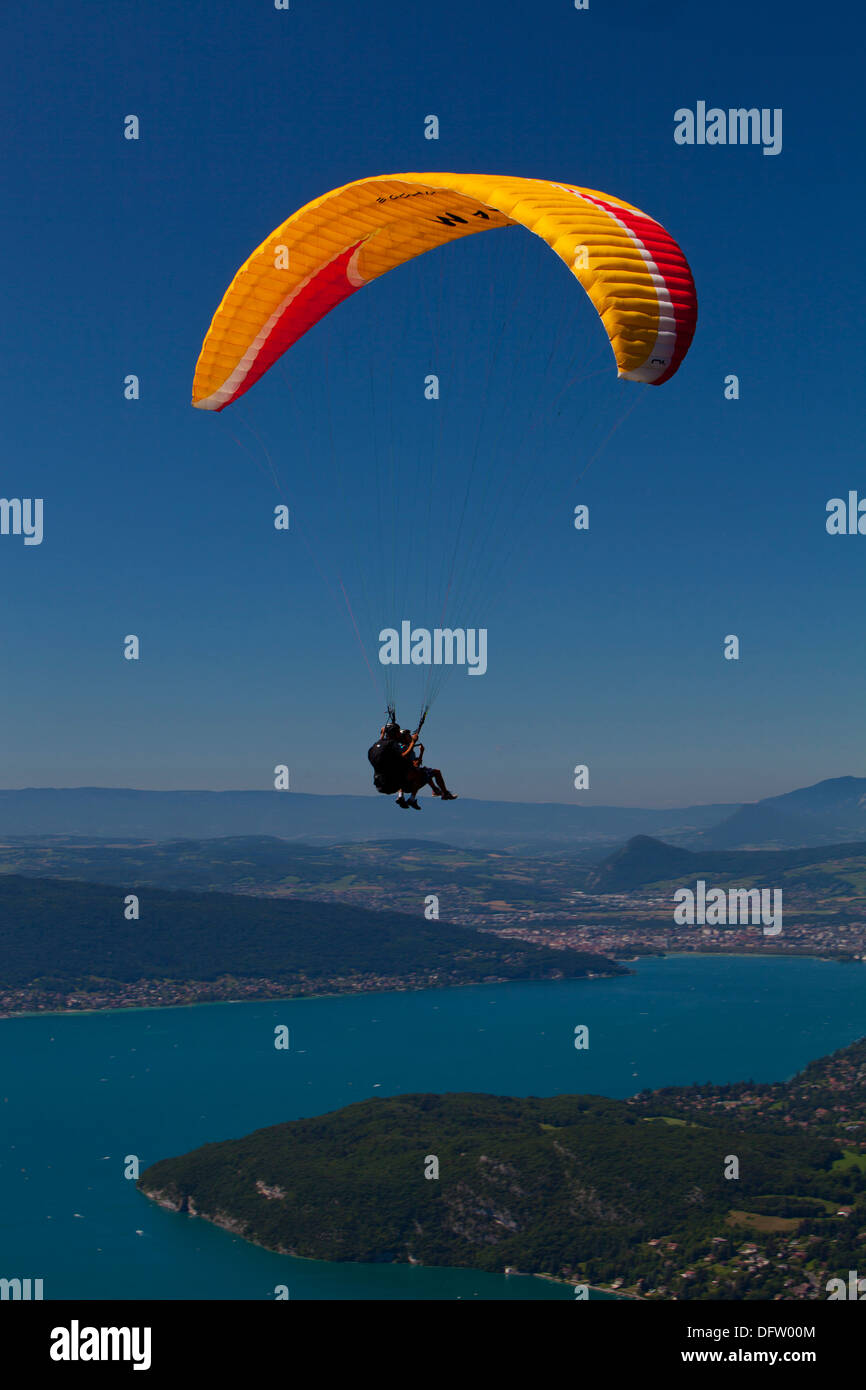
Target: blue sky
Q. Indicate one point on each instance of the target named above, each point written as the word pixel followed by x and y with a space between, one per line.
pixel 707 516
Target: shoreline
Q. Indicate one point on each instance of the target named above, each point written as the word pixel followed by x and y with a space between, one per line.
pixel 230 1226
pixel 404 987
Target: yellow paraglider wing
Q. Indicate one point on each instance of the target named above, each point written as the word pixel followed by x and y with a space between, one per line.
pixel 633 271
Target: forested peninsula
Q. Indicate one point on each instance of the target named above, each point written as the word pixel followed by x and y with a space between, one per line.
pixel 639 1196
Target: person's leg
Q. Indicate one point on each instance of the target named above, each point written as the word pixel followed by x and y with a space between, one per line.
pixel 437 784
pixel 413 784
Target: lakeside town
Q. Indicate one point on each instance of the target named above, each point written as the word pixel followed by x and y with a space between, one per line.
pixel 642 923
pixel 622 925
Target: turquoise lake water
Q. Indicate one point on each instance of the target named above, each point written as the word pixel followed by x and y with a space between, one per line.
pixel 80 1092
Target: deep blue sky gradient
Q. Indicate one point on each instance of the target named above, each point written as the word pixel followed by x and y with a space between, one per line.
pixel 707 515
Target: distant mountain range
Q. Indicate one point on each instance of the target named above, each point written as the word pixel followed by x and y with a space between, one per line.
pixel 113 813
pixel 830 812
pixel 827 813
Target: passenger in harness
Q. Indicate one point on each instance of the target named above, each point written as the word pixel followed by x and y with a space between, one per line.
pixel 395 769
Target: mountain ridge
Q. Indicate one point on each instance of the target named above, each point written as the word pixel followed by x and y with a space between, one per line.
pixel 827 812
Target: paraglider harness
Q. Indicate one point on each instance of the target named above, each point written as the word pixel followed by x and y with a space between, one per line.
pixel 389 765
pixel 392 718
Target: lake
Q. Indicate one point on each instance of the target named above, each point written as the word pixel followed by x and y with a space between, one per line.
pixel 80 1092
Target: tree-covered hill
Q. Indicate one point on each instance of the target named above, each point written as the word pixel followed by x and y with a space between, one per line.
pixel 60 934
pixel 578 1187
pixel 644 861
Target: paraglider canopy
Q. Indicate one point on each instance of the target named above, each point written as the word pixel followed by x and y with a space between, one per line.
pixel 632 269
